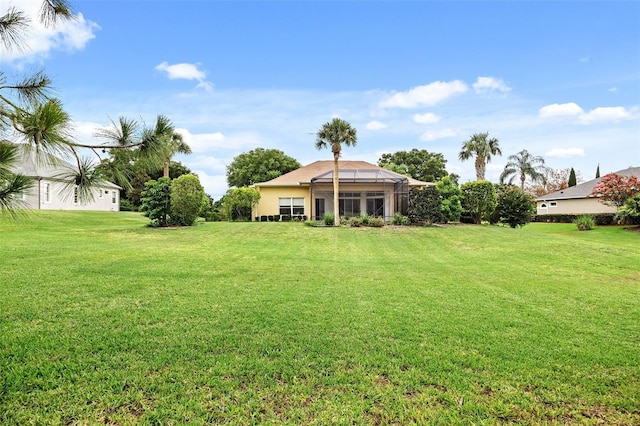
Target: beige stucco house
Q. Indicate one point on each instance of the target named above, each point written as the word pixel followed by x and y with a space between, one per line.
pixel 576 199
pixel 49 192
pixel 308 191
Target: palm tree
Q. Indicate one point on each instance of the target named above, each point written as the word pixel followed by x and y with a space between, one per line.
pixel 333 134
pixel 522 165
pixel 482 148
pixel 168 142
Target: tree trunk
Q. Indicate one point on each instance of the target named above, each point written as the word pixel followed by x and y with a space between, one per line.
pixel 336 189
pixel 165 169
pixel 480 166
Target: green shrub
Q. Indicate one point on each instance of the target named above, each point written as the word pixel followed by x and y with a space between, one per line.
pixel 186 200
pixel 599 219
pixel 450 199
pixel 515 208
pixel 312 223
pixel 424 205
pixel 399 219
pixel 328 219
pixel 479 200
pixel 377 222
pixel 127 206
pixel 355 222
pixel 629 213
pixel 584 222
pixel 276 218
pixel 365 219
pixel 156 201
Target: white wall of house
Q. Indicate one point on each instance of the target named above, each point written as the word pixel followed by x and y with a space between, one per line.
pixel 49 194
pixel 573 206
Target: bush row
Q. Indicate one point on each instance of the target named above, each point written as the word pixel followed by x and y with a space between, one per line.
pixel 598 219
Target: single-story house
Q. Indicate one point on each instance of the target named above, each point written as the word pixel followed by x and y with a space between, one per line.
pixel 576 199
pixel 308 191
pixel 49 192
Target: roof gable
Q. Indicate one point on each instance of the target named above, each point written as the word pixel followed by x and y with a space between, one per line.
pixel 582 190
pixel 359 170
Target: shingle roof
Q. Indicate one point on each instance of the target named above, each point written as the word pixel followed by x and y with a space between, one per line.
pixel 304 174
pixel 44 165
pixel 583 190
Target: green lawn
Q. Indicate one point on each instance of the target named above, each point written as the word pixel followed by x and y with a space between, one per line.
pixel 106 321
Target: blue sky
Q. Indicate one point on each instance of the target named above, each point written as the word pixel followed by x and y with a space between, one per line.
pixel 560 79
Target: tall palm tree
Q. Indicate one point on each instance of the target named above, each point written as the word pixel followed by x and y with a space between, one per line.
pixel 524 164
pixel 333 135
pixel 482 148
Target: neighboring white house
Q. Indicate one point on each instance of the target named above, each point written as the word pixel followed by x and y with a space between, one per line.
pixel 49 192
pixel 576 199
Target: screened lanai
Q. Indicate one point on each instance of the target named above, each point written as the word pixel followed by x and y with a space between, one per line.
pixel 375 192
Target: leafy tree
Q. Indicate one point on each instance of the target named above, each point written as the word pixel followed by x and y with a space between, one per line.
pixel 333 135
pixel 30 115
pixel 156 201
pixel 176 169
pixel 238 202
pixel 482 148
pixel 259 165
pixel 424 205
pixel 555 180
pixel 479 200
pixel 613 189
pixel 515 207
pixel 134 194
pixel 573 181
pixel 419 164
pixel 187 196
pixel 450 199
pixel 523 165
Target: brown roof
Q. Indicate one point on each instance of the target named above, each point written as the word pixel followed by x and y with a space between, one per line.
pixel 303 175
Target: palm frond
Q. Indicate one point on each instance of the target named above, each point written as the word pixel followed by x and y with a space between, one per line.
pixel 12 26
pixel 47 128
pixel 80 182
pixel 11 189
pixel 54 10
pixel 124 133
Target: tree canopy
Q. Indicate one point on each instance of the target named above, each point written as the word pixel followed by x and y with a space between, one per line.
pixel 259 165
pixel 420 164
pixel 482 148
pixel 523 165
pixel 30 115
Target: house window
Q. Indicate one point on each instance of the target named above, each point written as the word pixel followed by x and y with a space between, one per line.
pixel 375 203
pixel 46 192
pixel 114 197
pixel 291 206
pixel 553 204
pixel 349 204
pixel 543 206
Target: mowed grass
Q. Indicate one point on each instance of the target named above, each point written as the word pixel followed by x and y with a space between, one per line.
pixel 106 321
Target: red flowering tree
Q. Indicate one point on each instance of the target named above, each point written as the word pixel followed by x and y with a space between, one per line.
pixel 613 190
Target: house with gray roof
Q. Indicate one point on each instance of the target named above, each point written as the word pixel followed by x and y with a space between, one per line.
pixel 576 199
pixel 49 191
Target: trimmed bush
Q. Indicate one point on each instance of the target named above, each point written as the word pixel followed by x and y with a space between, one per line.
pixel 479 200
pixel 377 222
pixel 399 219
pixel 424 205
pixel 515 207
pixel 599 219
pixel 187 195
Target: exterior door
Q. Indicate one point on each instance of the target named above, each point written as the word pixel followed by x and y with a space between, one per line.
pixel 319 208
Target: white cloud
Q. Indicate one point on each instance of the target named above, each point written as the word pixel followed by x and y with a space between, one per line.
pixel 437 134
pixel 613 89
pixel 182 71
pixel 429 94
pixel 584 59
pixel 565 152
pixel 39 40
pixel 426 118
pixel 204 141
pixel 606 114
pixel 600 114
pixel 560 110
pixel 490 84
pixel 214 185
pixel 376 125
